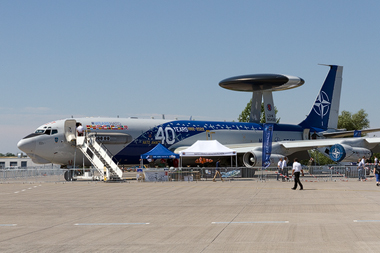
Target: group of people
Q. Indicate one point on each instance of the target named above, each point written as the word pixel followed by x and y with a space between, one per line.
pixel 362 172
pixel 296 172
pixel 282 169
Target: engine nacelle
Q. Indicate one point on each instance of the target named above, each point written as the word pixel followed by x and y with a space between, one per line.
pixel 253 159
pixel 340 152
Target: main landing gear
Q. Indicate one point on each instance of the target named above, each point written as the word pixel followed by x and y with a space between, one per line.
pixel 69 175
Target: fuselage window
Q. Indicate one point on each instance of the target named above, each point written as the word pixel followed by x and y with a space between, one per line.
pixel 48 131
pixel 54 131
pixel 39 131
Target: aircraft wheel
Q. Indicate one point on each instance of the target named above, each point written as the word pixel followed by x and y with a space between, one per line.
pixel 72 175
pixel 67 175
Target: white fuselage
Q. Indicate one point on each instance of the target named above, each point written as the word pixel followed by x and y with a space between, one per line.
pixel 128 138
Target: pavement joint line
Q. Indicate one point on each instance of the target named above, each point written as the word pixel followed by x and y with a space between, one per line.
pixel 248 222
pixel 8 225
pixel 366 220
pixel 109 224
pixel 27 189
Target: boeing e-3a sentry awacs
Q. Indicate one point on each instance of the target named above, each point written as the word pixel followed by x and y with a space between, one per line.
pixel 125 139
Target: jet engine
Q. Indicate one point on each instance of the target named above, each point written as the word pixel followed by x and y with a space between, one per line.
pixel 340 152
pixel 253 159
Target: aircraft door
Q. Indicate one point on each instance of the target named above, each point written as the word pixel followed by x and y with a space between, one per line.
pixel 306 134
pixel 70 129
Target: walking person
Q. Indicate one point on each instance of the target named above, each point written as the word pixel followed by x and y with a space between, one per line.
pixel 279 168
pixel 364 169
pixel 376 171
pixel 296 171
pixel 217 171
pixel 285 171
pixel 361 170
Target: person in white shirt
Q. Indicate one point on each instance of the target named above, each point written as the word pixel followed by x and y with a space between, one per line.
pixel 297 169
pixel 80 129
pixel 279 168
pixel 364 169
pixel 361 169
pixel 284 169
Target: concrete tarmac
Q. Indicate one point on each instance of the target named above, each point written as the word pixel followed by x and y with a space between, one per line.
pixel 205 216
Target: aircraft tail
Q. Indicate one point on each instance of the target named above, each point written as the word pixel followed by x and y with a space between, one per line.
pixel 325 111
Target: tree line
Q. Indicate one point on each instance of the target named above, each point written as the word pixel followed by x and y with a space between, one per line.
pixel 7 154
pixel 346 120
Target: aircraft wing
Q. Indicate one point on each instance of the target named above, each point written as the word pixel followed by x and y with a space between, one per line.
pixel 299 145
pixel 307 144
pixel 340 134
pixel 338 149
pixel 239 147
pixel 288 146
pixel 373 140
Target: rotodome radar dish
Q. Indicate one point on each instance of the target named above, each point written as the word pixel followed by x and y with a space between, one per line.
pixel 261 82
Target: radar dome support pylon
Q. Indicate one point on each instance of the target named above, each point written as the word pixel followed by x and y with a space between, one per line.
pixel 262 86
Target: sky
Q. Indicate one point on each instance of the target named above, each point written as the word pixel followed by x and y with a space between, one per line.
pixel 147 58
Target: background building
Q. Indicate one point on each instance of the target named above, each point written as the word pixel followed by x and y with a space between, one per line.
pixel 19 161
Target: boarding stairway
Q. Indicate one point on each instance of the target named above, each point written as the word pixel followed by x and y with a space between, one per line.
pixel 99 157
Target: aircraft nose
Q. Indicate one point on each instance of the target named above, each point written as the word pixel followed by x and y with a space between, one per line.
pixel 27 145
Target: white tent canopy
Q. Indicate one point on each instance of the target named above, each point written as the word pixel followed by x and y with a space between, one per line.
pixel 207 148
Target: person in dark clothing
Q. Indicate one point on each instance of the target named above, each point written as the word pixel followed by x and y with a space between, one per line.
pixel 217 171
pixel 376 171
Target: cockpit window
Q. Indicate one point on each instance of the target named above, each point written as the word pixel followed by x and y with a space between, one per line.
pixel 39 132
pixel 48 131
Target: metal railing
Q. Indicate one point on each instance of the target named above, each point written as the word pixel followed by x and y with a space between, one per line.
pixel 31 174
pixel 312 173
pixel 323 173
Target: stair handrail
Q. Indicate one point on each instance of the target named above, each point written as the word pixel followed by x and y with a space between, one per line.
pixel 90 139
pixel 93 137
